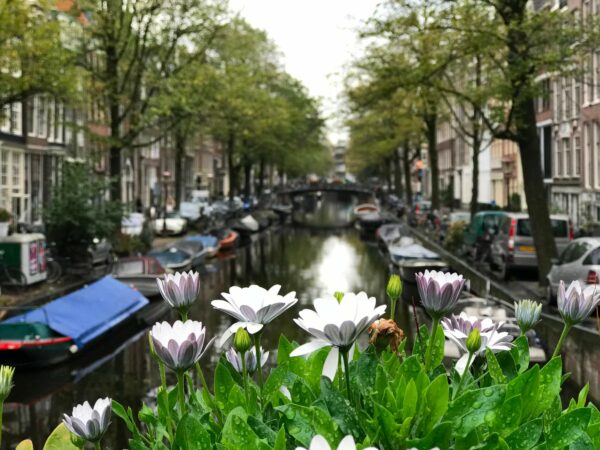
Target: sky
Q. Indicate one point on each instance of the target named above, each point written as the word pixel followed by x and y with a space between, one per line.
pixel 318 39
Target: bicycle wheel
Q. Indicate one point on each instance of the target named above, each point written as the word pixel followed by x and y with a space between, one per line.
pixel 53 271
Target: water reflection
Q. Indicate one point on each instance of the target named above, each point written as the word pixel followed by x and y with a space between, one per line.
pixel 327 208
pixel 309 262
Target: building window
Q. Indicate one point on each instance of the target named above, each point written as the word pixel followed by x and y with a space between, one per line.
pixel 567 100
pixel 577 156
pixel 559 158
pixel 568 157
pixel 587 154
pixel 42 117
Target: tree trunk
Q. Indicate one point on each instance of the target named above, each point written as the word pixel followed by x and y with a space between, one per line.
pixel 431 124
pixel 261 176
pixel 398 174
pixel 475 187
pixel 230 166
pixel 407 174
pixel 247 179
pixel 526 135
pixel 179 155
pixel 112 67
pixel 388 174
pixel 533 180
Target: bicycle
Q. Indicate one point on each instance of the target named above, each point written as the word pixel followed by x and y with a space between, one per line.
pixel 11 277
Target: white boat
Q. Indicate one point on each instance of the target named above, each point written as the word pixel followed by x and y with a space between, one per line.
pixel 390 232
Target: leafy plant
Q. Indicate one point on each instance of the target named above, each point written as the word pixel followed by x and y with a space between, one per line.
pixel 79 211
pixel 455 236
pixel 4 215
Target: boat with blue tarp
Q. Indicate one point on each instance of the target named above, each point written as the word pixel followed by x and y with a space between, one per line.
pixel 63 327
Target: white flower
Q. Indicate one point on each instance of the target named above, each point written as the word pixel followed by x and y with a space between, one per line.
pixel 577 303
pixel 439 291
pixel 181 345
pixel 527 313
pixel 180 290
pixel 235 359
pixel 458 328
pixel 6 381
pixel 319 443
pixel 90 423
pixel 337 324
pixel 253 306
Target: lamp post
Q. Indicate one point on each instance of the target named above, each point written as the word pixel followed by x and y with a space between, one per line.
pixel 166 176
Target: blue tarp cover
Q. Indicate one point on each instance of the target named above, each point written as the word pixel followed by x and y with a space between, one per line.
pixel 87 313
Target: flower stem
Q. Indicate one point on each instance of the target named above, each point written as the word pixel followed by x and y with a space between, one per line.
pixel 429 352
pixel 183 314
pixel 344 354
pixel 563 335
pixel 181 391
pixel 245 377
pixel 97 445
pixel 201 374
pixel 258 356
pixel 393 308
pixel 163 376
pixel 462 377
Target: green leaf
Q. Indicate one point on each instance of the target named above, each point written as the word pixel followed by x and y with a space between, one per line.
pixel 526 436
pixel 411 367
pixel 568 428
pixel 409 407
pixel 439 436
pixel 582 397
pixel 436 403
pixel 301 392
pixel 493 442
pixel 237 434
pixel 262 430
pixel 520 353
pixel 507 418
pixel 526 385
pixel 390 429
pixel 120 412
pixel 469 410
pixel 60 439
pixel 280 440
pixel 340 409
pixel 550 381
pixel 224 384
pixel 437 353
pixel 362 372
pixel 507 363
pixel 191 435
pixel 304 422
pixel 25 445
pixel 494 367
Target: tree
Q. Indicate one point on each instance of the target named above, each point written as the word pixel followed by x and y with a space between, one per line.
pixel 32 55
pixel 131 50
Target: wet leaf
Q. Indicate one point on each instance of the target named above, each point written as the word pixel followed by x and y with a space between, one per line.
pixel 237 434
pixel 507 418
pixel 436 403
pixel 526 436
pixel 568 428
pixel 191 435
pixel 470 409
pixel 520 353
pixel 340 409
pixel 550 382
pixel 526 385
pixel 224 384
pixel 494 367
pixel 304 422
pixel 409 407
pixel 439 436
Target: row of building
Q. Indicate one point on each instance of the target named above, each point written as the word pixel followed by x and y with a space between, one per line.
pixel 568 122
pixel 39 135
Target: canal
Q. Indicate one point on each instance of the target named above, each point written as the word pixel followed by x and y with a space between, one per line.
pixel 311 261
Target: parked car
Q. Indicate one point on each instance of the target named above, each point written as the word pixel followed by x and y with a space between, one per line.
pixel 480 232
pixel 580 260
pixel 513 247
pixel 100 251
pixel 172 224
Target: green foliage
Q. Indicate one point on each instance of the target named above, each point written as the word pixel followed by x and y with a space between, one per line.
pixel 79 212
pixel 454 236
pixel 4 215
pixel 127 245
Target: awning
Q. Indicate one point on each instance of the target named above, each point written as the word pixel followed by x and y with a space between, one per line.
pixel 87 313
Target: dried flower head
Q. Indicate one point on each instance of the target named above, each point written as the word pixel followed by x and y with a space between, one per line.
pixel 384 332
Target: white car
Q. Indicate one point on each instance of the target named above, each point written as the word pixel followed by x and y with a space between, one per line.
pixel 172 224
pixel 580 260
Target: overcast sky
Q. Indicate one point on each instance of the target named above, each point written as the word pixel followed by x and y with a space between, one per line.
pixel 318 39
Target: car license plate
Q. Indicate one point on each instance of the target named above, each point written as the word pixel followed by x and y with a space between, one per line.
pixel 527 248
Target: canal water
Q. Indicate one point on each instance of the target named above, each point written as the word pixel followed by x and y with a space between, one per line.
pixel 313 262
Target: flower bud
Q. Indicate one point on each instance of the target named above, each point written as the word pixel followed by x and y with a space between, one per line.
pixel 394 287
pixel 6 384
pixel 338 296
pixel 242 341
pixel 527 313
pixel 474 340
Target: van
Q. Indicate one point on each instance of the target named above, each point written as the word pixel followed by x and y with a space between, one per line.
pixel 513 247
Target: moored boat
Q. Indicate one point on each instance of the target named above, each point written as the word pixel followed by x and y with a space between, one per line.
pixel 140 273
pixel 228 239
pixel 209 242
pixel 68 325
